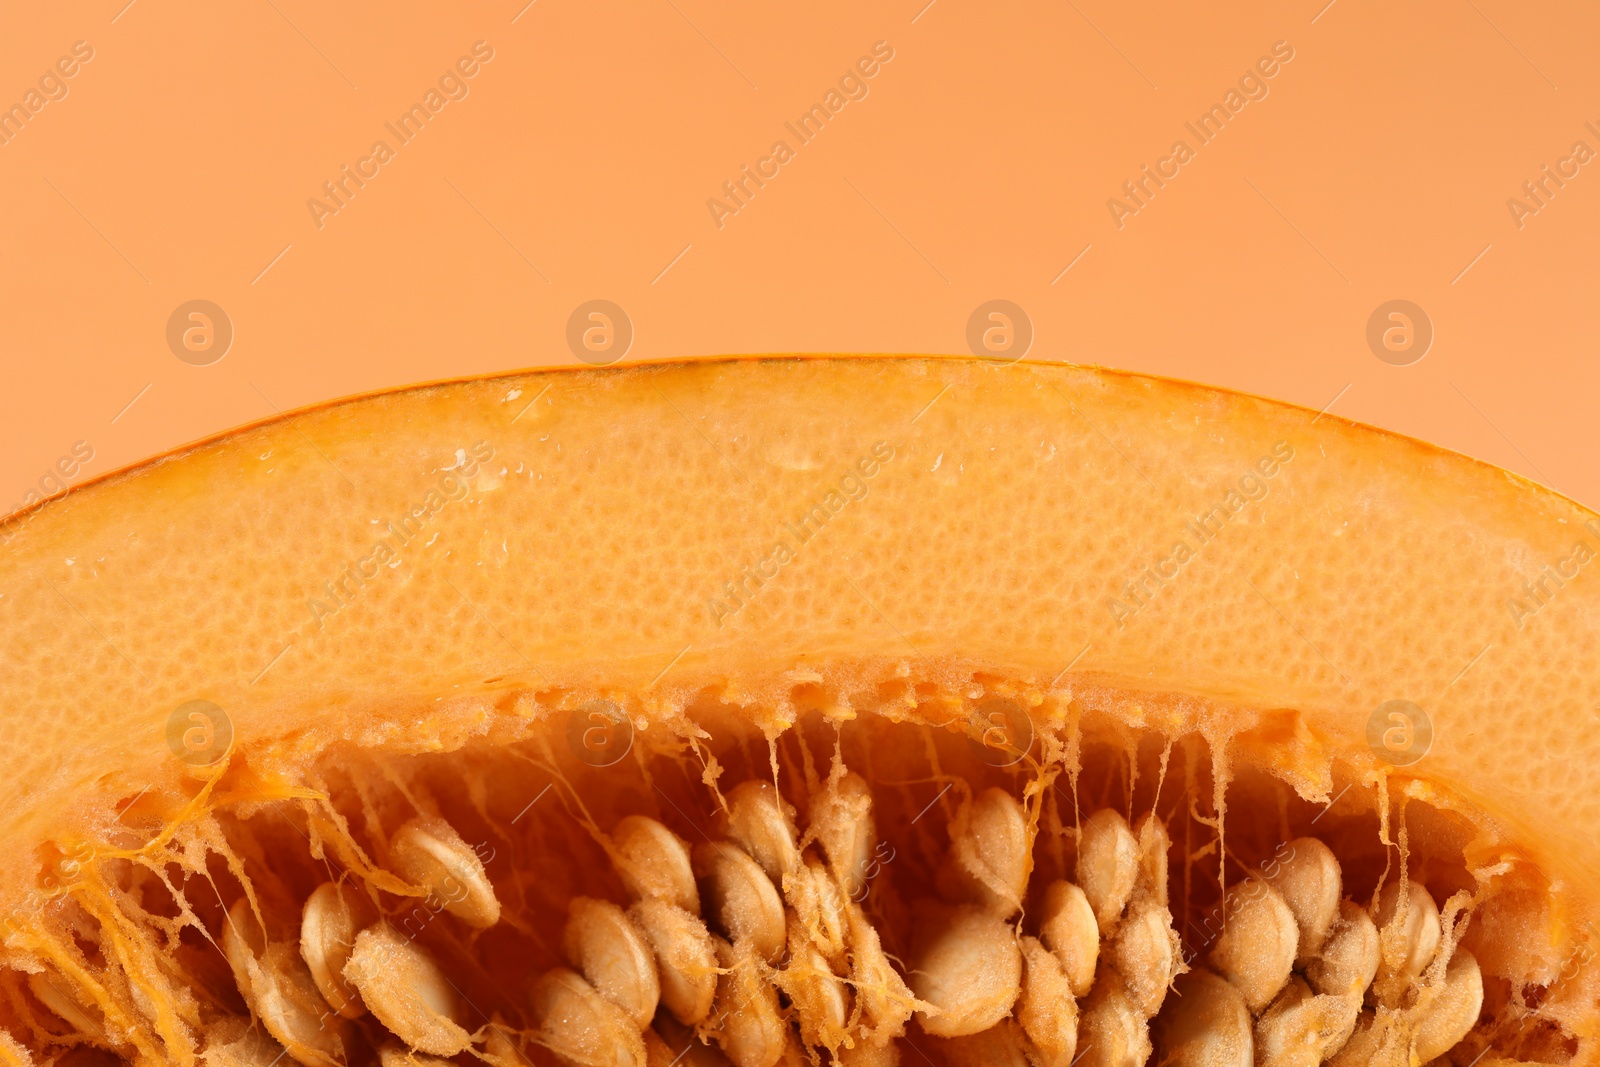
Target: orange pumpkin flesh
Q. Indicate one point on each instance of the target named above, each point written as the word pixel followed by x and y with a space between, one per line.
pixel 468 600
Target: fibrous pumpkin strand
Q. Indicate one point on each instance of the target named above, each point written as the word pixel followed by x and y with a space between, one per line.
pixel 786 966
pixel 820 999
pixel 1408 922
pixel 819 902
pixel 887 1003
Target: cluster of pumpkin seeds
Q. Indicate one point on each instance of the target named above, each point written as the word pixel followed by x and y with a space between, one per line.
pixel 752 949
pixel 715 933
pixel 1301 975
pixel 349 962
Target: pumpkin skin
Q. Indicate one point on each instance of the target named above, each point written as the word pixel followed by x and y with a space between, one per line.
pixel 404 571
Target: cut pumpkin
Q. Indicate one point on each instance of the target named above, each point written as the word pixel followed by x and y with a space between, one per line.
pixel 801 710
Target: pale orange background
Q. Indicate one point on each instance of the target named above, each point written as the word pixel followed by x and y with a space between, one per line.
pixel 978 167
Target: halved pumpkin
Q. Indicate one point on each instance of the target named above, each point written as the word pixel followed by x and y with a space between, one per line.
pixel 802 710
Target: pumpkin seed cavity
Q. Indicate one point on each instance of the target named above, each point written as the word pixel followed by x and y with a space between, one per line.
pixel 867 894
